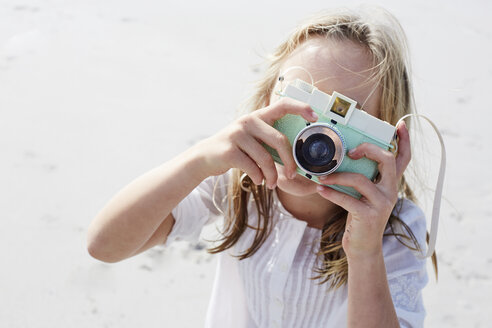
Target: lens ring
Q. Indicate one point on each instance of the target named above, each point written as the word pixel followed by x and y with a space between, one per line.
pixel 326 156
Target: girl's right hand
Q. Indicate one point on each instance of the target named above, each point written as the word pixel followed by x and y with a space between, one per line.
pixel 239 145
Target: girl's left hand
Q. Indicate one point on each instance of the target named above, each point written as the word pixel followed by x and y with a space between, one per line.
pixel 368 216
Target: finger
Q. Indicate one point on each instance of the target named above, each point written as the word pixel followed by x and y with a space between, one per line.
pixel 262 158
pixel 404 149
pixel 357 181
pixel 246 164
pixel 285 106
pixel 385 159
pixel 277 140
pixel 347 202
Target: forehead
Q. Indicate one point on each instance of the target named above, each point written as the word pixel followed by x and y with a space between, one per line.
pixel 341 66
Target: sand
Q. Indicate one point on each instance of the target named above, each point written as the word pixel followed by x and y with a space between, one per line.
pixel 93 94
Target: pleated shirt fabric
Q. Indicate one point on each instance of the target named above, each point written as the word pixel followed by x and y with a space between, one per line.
pixel 272 288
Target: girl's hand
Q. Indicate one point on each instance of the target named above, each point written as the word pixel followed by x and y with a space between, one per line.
pixel 367 217
pixel 239 145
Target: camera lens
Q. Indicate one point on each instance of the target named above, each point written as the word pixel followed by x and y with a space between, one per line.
pixel 318 149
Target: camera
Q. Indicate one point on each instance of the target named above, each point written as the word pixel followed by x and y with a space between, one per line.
pixel 320 148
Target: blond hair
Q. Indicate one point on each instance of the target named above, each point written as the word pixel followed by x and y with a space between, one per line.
pixel 380 33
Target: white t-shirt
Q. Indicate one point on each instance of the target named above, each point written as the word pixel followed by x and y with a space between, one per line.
pixel 272 288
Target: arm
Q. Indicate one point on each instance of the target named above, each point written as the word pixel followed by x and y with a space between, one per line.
pixel 139 216
pixel 369 298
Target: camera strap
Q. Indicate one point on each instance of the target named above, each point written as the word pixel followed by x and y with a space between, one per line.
pixel 438 192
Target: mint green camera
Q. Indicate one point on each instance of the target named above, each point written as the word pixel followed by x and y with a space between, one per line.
pixel 320 148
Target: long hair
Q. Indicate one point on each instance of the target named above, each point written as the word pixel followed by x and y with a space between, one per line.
pixel 381 34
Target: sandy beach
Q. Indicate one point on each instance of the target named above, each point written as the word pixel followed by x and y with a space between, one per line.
pixel 95 93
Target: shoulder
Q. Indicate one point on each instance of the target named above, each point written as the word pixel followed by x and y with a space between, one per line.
pixel 217 181
pixel 409 212
pixel 399 248
pixel 412 217
pixel 406 272
pixel 200 207
pixel 212 193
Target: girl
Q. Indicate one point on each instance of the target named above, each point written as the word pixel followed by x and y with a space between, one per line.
pixel 294 253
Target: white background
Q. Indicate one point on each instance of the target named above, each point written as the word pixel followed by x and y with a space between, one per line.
pixel 95 93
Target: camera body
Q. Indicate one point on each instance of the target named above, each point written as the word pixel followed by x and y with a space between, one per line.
pixel 320 148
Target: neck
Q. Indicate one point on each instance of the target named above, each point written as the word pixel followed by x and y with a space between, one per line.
pixel 313 209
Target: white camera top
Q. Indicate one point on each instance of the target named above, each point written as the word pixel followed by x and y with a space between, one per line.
pixel 340 109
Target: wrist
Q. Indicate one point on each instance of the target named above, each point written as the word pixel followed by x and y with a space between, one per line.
pixel 208 156
pixel 193 161
pixel 366 257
